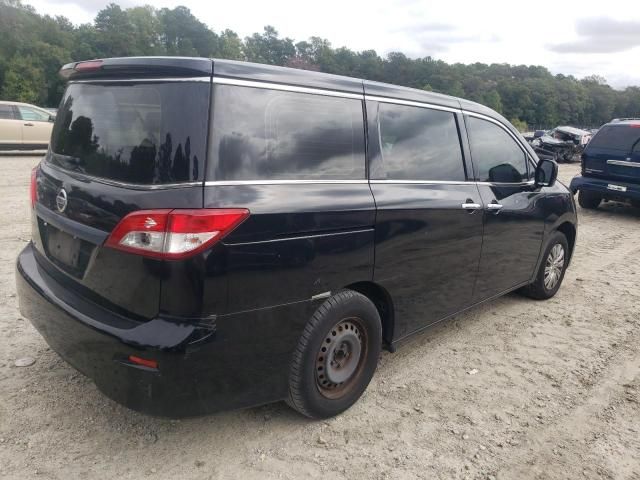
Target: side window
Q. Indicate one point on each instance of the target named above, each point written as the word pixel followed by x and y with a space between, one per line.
pixel 261 134
pixel 532 169
pixel 32 114
pixel 6 112
pixel 497 156
pixel 420 144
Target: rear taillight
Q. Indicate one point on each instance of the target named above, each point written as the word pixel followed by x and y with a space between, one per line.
pixel 174 234
pixel 33 187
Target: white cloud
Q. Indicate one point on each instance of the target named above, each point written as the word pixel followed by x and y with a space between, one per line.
pixel 488 31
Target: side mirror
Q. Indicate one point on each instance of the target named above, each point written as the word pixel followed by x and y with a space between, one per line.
pixel 52 118
pixel 546 173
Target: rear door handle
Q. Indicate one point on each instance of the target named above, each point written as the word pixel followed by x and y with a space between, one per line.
pixel 494 207
pixel 29 124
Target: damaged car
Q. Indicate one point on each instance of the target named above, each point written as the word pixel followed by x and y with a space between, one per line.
pixel 561 144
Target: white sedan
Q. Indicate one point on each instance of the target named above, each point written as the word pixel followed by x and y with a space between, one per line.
pixel 24 126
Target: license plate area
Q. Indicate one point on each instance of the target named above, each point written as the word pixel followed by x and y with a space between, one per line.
pixel 616 188
pixel 70 253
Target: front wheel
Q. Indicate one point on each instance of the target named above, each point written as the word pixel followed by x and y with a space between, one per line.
pixel 336 356
pixel 552 268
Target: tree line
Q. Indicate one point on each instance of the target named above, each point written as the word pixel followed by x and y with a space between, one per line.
pixel 34 47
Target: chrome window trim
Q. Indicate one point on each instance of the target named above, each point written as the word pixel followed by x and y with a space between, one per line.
pixel 116 183
pixel 411 103
pixel 452 182
pixel 143 80
pixel 516 184
pixel 285 87
pixel 623 163
pixel 423 182
pixel 224 183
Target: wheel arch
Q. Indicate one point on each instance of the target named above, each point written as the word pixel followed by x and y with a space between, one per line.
pixel 380 297
pixel 569 231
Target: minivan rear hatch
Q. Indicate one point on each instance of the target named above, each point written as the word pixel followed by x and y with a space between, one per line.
pixel 614 152
pixel 118 145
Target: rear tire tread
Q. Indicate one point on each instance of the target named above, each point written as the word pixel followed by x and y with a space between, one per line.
pixel 296 395
pixel 588 200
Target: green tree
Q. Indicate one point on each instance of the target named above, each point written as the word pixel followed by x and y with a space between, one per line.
pixel 183 34
pixel 519 124
pixel 24 81
pixel 147 31
pixel 115 33
pixel 34 47
pixel 492 100
pixel 230 46
pixel 269 48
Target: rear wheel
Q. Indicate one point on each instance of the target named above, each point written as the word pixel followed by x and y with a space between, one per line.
pixel 552 268
pixel 589 200
pixel 336 356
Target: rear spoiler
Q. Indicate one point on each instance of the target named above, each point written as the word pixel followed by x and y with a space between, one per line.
pixel 138 67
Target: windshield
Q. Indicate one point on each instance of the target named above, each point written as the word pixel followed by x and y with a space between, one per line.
pixel 146 133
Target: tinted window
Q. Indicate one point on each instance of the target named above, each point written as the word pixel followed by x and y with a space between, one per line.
pixel 6 112
pixel 496 155
pixel 32 114
pixel 617 137
pixel 144 133
pixel 419 144
pixel 261 134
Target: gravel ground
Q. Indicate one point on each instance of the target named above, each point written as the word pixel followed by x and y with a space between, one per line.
pixel 554 389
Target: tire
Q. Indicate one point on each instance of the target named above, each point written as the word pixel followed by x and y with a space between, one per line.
pixel 540 289
pixel 589 200
pixel 346 323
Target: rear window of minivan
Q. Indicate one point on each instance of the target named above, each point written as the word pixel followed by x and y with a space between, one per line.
pixel 145 133
pixel 262 134
pixel 617 137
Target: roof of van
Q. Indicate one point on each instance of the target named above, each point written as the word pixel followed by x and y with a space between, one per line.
pixel 196 66
pixel 624 121
pixel 312 79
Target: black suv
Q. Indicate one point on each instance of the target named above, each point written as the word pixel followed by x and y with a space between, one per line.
pixel 210 234
pixel 611 165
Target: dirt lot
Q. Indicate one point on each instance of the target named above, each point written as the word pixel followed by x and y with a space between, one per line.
pixel 556 393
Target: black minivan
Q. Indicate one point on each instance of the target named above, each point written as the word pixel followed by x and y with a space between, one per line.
pixel 212 234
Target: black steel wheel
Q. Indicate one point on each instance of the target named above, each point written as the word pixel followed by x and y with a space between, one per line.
pixel 340 359
pixel 336 356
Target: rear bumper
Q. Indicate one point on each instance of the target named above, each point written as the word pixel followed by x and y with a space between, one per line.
pixel 602 186
pixel 240 360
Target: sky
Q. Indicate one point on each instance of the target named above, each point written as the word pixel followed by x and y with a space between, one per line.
pixel 571 37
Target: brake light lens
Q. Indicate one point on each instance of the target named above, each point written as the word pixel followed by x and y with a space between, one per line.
pixel 88 66
pixel 33 187
pixel 174 234
pixel 145 362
